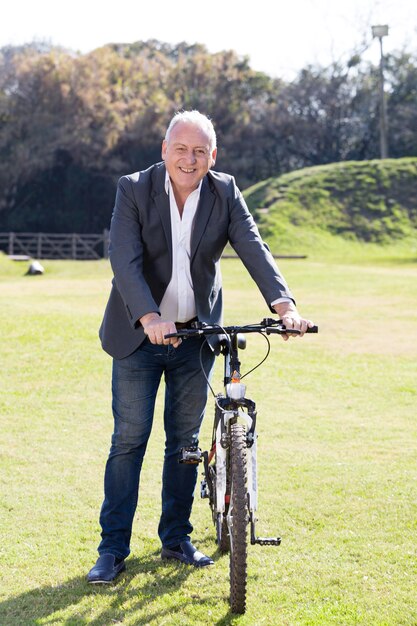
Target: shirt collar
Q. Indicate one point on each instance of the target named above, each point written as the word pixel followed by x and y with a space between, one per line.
pixel 168 184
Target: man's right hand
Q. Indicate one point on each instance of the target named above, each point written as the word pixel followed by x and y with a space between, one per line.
pixel 156 329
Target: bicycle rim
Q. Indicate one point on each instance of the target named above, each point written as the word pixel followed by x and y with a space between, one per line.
pixel 238 520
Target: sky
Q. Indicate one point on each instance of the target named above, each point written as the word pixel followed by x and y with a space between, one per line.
pixel 279 37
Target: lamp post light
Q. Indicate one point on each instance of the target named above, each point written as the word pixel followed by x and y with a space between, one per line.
pixel 379 32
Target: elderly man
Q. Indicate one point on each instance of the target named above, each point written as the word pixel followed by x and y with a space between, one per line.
pixel 170 225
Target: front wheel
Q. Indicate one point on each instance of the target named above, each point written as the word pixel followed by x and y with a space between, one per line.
pixel 238 519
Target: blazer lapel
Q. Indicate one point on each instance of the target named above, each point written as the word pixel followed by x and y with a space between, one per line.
pixel 202 216
pixel 161 200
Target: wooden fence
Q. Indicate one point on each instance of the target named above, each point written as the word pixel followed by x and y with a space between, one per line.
pixel 74 246
pixel 55 246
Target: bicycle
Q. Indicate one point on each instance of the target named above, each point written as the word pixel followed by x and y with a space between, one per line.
pixel 230 467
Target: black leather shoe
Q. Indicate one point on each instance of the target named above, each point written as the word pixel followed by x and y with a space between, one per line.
pixel 106 569
pixel 186 553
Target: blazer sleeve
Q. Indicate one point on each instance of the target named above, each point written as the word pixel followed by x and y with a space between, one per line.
pixel 126 253
pixel 246 240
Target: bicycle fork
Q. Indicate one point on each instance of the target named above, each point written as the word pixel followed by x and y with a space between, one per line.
pixel 222 497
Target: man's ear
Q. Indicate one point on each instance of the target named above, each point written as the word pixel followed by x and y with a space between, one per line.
pixel 164 149
pixel 213 157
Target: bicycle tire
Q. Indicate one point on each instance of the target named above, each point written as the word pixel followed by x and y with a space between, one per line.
pixel 238 514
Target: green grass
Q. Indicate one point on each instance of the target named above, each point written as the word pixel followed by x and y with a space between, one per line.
pixel 322 210
pixel 337 454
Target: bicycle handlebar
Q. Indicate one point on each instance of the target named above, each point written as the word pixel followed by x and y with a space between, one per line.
pixel 267 326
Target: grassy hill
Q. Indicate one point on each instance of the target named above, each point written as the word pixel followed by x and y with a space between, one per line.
pixel 330 207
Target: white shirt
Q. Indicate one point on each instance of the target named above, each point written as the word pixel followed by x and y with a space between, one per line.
pixel 178 303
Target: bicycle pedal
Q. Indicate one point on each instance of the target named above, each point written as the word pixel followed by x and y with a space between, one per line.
pixel 191 455
pixel 267 541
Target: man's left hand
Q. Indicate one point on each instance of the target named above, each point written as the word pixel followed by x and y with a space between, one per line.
pixel 291 318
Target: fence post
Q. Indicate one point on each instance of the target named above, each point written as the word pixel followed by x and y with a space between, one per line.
pixel 39 246
pixel 11 243
pixel 74 246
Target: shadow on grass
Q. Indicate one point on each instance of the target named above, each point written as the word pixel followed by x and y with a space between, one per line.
pixel 76 603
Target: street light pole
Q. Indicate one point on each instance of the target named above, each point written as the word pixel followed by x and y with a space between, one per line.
pixel 379 32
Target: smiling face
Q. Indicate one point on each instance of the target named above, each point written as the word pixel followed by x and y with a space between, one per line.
pixel 187 157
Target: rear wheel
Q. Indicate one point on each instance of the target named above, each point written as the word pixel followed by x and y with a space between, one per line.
pixel 238 519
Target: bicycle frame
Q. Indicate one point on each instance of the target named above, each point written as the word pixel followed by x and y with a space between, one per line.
pixel 230 467
pixel 230 410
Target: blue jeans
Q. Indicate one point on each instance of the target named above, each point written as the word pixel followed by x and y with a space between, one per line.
pixel 135 383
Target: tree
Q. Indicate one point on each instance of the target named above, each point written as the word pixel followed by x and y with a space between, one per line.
pixel 402 105
pixel 71 124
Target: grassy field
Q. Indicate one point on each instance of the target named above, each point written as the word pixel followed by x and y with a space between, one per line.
pixel 337 448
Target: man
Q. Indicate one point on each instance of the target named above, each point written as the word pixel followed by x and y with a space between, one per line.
pixel 170 225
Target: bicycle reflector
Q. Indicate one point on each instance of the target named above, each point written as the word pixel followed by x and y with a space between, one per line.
pixel 235 389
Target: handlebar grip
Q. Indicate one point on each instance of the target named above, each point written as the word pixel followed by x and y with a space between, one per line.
pixel 185 332
pixel 313 329
pixel 291 331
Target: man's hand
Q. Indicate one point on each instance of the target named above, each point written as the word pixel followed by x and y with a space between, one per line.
pixel 292 319
pixel 156 330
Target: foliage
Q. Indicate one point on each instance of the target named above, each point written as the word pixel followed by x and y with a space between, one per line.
pixel 71 124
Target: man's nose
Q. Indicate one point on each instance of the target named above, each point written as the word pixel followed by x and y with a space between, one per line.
pixel 191 158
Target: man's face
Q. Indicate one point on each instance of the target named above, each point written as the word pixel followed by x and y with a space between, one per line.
pixel 187 156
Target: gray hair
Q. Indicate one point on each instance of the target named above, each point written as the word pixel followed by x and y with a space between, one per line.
pixel 197 118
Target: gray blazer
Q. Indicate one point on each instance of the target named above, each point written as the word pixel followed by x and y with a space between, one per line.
pixel 140 253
